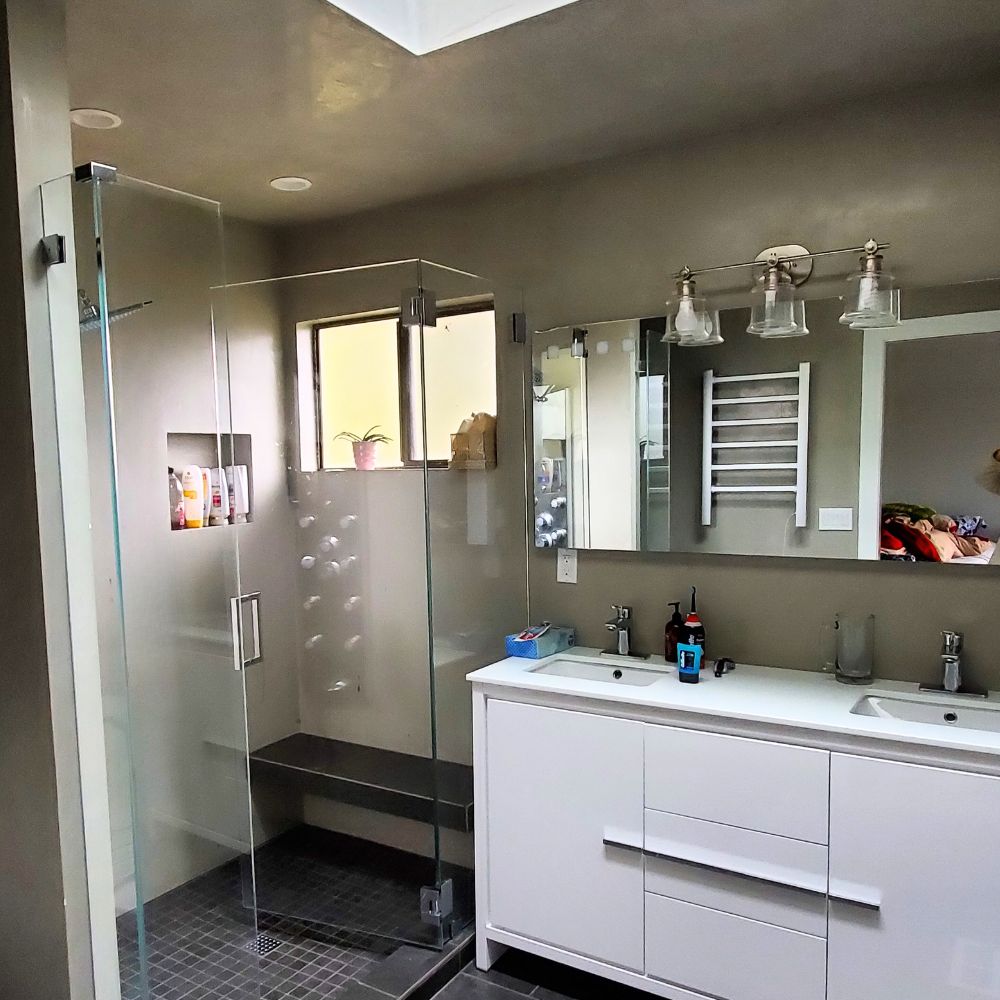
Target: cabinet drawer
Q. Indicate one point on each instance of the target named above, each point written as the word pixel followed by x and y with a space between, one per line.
pixel 769 787
pixel 730 957
pixel 750 874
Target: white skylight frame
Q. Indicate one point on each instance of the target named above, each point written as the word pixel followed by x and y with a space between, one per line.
pixel 423 26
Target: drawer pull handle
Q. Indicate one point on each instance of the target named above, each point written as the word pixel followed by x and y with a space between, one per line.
pixel 865 904
pixel 622 845
pixel 810 890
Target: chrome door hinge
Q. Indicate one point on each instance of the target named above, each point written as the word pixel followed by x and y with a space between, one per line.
pixel 53 249
pixel 418 307
pixel 437 903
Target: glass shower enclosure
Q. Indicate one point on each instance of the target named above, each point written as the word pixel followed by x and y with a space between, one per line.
pixel 287 722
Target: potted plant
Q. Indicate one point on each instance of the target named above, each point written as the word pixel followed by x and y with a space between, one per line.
pixel 364 446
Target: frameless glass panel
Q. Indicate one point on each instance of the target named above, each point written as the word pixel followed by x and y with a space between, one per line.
pixel 339 706
pixel 476 532
pixel 174 701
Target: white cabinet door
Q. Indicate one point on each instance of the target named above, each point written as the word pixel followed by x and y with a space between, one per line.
pixel 558 785
pixel 924 844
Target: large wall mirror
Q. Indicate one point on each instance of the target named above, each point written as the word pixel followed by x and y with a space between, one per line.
pixel 877 444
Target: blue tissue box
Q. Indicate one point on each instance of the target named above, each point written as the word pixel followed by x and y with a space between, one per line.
pixel 558 638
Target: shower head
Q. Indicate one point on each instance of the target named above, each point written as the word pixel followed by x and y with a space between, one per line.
pixel 90 317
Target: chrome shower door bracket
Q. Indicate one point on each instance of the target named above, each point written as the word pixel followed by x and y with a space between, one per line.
pixel 418 307
pixel 437 903
pixel 245 611
pixel 53 249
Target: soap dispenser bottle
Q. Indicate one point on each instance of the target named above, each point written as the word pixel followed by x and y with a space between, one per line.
pixel 673 632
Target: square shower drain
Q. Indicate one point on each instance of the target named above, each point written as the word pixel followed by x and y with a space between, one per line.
pixel 263 944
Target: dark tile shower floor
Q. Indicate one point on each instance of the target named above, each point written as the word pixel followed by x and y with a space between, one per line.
pixel 199 936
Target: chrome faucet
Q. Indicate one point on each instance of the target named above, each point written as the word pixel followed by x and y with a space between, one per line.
pixel 621 625
pixel 951 660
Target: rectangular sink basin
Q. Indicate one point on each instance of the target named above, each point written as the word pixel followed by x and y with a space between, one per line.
pixel 956 714
pixel 612 673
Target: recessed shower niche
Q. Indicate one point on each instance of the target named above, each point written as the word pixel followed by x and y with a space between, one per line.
pixel 231 453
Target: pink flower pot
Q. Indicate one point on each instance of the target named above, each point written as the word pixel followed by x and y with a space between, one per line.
pixel 364 454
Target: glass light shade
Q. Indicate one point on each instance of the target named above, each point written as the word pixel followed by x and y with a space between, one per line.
pixel 714 334
pixel 869 296
pixel 798 327
pixel 772 306
pixel 688 321
pixel 886 312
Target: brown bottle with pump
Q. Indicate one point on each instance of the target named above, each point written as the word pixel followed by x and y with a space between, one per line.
pixel 672 633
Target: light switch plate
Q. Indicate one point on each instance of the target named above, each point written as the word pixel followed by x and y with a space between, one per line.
pixel 836 519
pixel 566 566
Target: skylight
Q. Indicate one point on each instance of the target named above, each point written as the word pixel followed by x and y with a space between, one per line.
pixel 423 26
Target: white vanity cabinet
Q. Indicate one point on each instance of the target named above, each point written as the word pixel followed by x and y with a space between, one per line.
pixel 924 844
pixel 561 784
pixel 698 865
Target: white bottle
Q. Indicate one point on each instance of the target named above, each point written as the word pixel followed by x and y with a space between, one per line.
pixel 239 486
pixel 194 496
pixel 220 498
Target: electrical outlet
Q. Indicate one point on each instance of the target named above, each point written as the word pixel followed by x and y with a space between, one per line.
pixel 836 519
pixel 566 566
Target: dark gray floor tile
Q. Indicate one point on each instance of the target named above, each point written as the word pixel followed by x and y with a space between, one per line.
pixel 509 980
pixel 397 973
pixel 464 987
pixel 359 991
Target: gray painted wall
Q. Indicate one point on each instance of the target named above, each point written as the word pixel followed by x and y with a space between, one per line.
pixel 601 241
pixel 55 866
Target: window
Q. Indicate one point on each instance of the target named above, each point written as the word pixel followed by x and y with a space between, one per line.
pixel 368 374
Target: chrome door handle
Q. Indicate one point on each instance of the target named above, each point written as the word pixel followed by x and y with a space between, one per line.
pixel 245 610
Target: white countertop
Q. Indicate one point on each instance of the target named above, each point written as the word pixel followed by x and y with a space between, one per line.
pixel 765 696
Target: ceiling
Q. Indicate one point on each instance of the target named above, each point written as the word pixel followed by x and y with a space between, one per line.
pixel 219 96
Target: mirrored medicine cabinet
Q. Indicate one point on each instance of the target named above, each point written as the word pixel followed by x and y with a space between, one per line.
pixel 864 444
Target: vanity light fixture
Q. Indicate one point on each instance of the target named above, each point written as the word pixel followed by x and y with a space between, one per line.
pixel 777 310
pixel 578 349
pixel 872 299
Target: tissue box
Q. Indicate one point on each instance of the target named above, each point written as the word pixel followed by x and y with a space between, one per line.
pixel 555 640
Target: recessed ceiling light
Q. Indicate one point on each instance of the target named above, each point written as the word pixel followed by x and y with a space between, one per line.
pixel 291 183
pixel 422 26
pixel 94 118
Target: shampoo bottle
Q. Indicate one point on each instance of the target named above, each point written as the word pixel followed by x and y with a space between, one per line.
pixel 194 496
pixel 206 496
pixel 176 494
pixel 220 497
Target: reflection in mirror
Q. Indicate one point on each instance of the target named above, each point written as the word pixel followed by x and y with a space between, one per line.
pixel 777 446
pixel 940 432
pixel 586 404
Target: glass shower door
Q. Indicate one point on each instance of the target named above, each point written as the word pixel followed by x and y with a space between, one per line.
pixel 342 756
pixel 175 713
